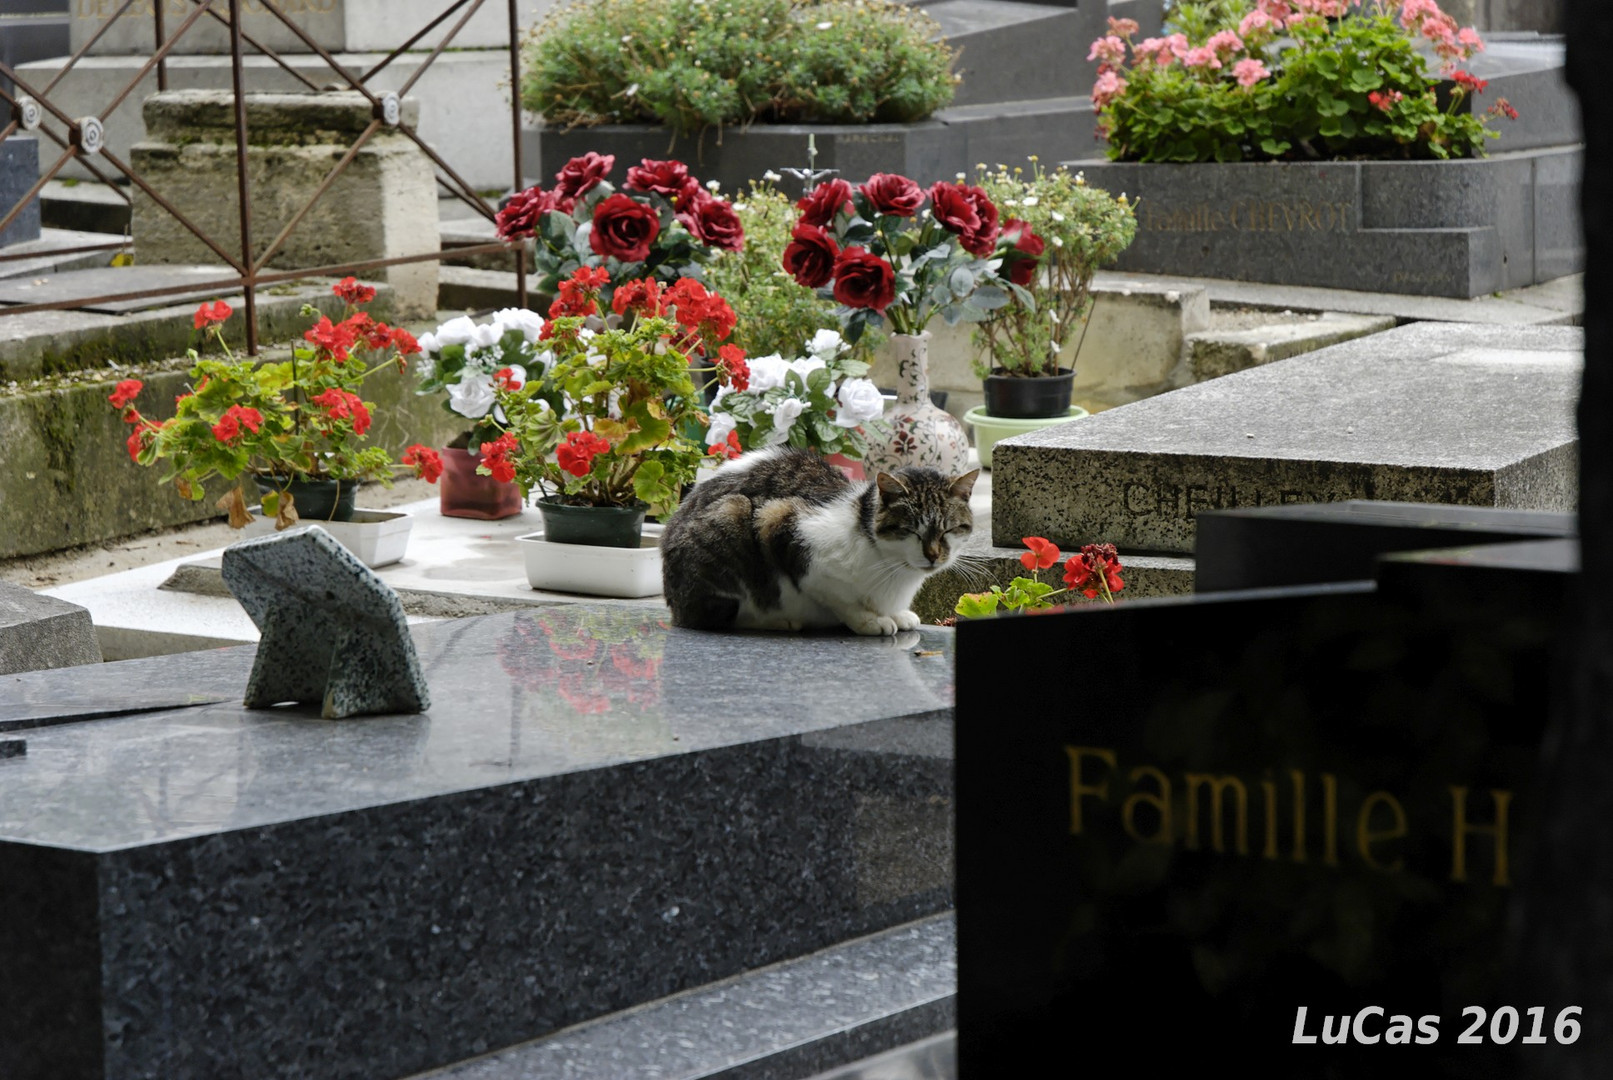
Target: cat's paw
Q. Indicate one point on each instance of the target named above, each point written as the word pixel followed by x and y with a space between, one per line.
pixel 871 625
pixel 779 622
pixel 906 620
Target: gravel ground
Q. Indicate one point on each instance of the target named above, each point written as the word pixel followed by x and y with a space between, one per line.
pixel 112 556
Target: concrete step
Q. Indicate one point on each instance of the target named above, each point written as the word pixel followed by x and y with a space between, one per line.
pixel 828 1010
pixel 85 205
pixel 1010 51
pixel 57 250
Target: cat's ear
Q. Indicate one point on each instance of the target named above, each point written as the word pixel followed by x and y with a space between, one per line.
pixel 889 486
pixel 963 485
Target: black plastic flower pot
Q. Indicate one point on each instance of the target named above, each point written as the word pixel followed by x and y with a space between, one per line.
pixel 1015 397
pixel 600 526
pixel 316 500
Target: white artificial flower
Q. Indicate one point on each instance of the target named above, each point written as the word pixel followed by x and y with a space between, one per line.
pixel 428 343
pixel 1058 241
pixel 530 323
pixel 770 176
pixel 860 401
pixel 486 335
pixel 425 367
pixel 825 25
pixel 456 331
pixel 806 366
pixel 712 186
pixel 472 396
pixel 1057 216
pixel 784 415
pixel 827 344
pixel 721 424
pixel 766 372
pixel 1031 200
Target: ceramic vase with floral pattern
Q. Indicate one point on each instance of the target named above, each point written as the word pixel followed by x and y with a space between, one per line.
pixel 921 434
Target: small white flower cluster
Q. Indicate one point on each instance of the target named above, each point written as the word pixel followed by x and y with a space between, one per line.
pixel 857 400
pixel 472 395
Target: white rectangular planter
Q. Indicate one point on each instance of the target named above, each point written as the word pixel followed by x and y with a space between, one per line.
pixel 377 537
pixel 629 573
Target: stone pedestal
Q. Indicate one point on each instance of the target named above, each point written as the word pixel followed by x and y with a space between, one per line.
pixel 383 205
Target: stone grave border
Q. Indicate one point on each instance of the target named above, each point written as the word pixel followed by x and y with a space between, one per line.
pixel 83 139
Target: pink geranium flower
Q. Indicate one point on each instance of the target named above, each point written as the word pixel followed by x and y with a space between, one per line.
pixel 1249 72
pixel 1202 57
pixel 1108 87
pixel 1224 43
pixel 1108 49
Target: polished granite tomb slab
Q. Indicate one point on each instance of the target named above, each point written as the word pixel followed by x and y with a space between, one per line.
pixel 598 811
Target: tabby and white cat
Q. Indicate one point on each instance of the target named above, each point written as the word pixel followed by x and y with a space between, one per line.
pixel 780 540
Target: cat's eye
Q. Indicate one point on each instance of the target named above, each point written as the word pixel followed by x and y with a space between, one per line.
pixel 962 530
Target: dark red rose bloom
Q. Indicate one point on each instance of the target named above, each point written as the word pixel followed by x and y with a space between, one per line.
pixel 824 202
pixel 981 241
pixel 953 208
pixel 810 257
pixel 712 221
pixel 578 176
pixel 864 280
pixel 1025 256
pixel 893 194
pixel 624 229
pixel 520 216
pixel 668 178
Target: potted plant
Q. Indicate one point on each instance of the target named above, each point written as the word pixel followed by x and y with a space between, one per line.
pixel 603 436
pixel 661 225
pixel 466 362
pixel 1094 572
pixel 633 78
pixel 293 430
pixel 1063 230
pixel 1279 140
pixel 892 253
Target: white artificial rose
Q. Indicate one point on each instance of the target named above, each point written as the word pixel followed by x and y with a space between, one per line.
pixel 784 415
pixel 530 323
pixel 860 401
pixel 827 344
pixel 428 343
pixel 721 425
pixel 472 396
pixel 486 335
pixel 807 366
pixel 766 372
pixel 456 331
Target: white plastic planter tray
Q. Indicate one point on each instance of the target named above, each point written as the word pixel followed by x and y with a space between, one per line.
pixel 628 573
pixel 377 537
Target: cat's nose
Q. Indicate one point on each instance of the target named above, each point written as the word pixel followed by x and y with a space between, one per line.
pixel 934 554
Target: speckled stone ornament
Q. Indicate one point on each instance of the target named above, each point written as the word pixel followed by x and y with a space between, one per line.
pixel 332 632
pixel 921 434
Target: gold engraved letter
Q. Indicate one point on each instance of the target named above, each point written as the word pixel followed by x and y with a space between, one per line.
pixel 1460 828
pixel 1160 801
pixel 1366 836
pixel 1077 789
pixel 1217 785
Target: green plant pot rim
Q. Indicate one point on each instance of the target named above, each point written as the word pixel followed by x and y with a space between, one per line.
pixel 979 417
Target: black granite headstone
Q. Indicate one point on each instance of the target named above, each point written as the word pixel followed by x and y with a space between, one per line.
pixel 19 169
pixel 1208 829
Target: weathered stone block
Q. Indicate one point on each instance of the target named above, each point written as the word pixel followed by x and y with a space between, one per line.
pixel 383 205
pixel 19 169
pixel 43 632
pixel 1442 228
pixel 1210 355
pixel 1445 413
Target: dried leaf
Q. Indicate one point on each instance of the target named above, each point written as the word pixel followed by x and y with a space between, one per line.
pixel 235 504
pixel 186 490
pixel 287 515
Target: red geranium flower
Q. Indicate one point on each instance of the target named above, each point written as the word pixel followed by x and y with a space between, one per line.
pixel 405 343
pixel 504 378
pixel 352 291
pixel 1094 570
pixel 576 455
pixel 140 439
pixel 642 295
pixel 823 202
pixel 864 280
pixel 727 450
pixel 1042 554
pixel 699 312
pixel 496 457
pixel 342 404
pixel 216 312
pixel 732 367
pixel 335 339
pixel 810 256
pixel 426 462
pixel 125 392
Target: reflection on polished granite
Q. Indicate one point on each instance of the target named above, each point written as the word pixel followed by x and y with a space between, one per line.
pixel 597 811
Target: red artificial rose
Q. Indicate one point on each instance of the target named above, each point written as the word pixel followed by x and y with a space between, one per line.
pixel 215 312
pixel 712 221
pixel 579 175
pixel 426 462
pixel 125 392
pixel 810 257
pixel 823 202
pixel 893 194
pixel 953 208
pixel 1042 554
pixel 576 455
pixel 864 280
pixel 1026 253
pixel 670 179
pixel 982 239
pixel 519 217
pixel 352 291
pixel 624 229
